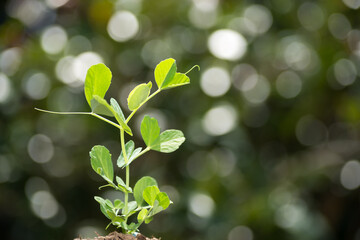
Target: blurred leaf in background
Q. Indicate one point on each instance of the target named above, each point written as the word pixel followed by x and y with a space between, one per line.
pixel 271 120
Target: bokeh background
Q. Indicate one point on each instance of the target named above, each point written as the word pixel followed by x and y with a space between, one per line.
pixel 271 120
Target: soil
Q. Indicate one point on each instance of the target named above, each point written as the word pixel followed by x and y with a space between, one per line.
pixel 119 236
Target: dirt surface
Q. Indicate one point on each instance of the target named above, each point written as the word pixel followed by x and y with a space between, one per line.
pixel 118 236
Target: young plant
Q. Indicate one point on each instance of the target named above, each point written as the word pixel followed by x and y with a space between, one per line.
pixel 148 199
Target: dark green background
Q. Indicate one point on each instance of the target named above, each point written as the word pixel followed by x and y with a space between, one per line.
pixel 275 174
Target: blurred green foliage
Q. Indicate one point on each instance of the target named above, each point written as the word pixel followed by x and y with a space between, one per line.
pixel 271 120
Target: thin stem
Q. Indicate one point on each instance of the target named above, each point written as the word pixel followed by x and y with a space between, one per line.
pixel 127 181
pixel 63 113
pixel 82 113
pixel 147 99
pixel 192 69
pixel 142 152
pixel 106 120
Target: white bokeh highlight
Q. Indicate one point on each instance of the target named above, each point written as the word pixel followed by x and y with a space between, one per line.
pixel 215 81
pixel 350 175
pixel 201 205
pixel 227 44
pixel 53 39
pixel 220 120
pixel 123 26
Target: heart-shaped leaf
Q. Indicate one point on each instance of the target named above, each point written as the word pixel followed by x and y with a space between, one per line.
pixel 165 72
pixel 138 95
pixel 97 81
pixel 101 162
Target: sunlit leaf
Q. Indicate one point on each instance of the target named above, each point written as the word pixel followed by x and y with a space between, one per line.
pixel 150 194
pixel 165 72
pixel 97 81
pixel 163 199
pixel 170 140
pixel 139 188
pixel 142 215
pixel 138 95
pixel 178 80
pixel 101 162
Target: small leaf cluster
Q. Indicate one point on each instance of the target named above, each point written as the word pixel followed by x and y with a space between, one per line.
pixel 145 199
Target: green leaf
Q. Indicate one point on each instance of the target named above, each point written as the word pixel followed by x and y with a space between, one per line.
pixel 165 72
pixel 133 227
pixel 122 185
pixel 129 148
pixel 100 106
pixel 142 215
pixel 131 207
pixel 170 140
pixel 150 194
pixel 179 79
pixel 104 207
pixel 118 204
pixel 139 188
pixel 138 95
pixel 130 153
pixel 117 220
pixel 163 199
pixel 97 81
pixel 148 220
pixel 117 109
pixel 101 162
pixel 150 131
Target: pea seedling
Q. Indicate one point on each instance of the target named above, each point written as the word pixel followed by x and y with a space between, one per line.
pixel 148 199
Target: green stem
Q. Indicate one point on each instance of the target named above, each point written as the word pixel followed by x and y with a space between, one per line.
pixel 127 181
pixel 63 113
pixel 192 69
pixel 106 120
pixel 142 152
pixel 81 113
pixel 147 99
